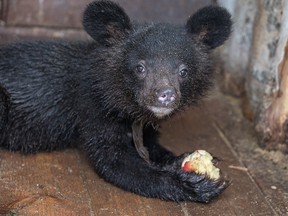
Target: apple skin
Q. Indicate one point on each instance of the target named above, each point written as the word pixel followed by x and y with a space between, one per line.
pixel 189 167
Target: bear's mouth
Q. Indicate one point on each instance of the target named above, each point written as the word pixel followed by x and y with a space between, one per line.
pixel 160 112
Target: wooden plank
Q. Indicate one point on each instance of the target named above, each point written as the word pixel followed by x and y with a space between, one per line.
pixel 162 10
pixel 109 200
pixel 11 34
pixel 3 11
pixel 68 13
pixel 63 183
pixel 268 169
pixel 52 13
pixel 58 184
pixel 42 184
pixel 196 130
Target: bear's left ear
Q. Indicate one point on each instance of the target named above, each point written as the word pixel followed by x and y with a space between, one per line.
pixel 106 22
pixel 211 25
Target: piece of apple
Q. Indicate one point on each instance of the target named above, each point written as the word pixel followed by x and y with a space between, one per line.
pixel 200 162
pixel 189 166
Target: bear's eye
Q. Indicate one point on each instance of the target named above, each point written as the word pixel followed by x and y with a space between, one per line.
pixel 183 72
pixel 140 69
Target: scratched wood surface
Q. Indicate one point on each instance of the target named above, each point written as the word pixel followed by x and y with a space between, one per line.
pixel 63 183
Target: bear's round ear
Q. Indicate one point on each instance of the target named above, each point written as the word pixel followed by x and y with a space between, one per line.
pixel 211 25
pixel 106 22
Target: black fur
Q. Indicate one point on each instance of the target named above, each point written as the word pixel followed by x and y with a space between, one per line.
pixel 106 23
pixel 55 94
pixel 212 25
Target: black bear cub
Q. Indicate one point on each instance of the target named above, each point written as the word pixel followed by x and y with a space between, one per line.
pixel 55 94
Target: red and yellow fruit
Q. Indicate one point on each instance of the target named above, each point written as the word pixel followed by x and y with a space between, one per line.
pixel 200 162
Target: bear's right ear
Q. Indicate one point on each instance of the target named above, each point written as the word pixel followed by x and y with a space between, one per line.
pixel 106 22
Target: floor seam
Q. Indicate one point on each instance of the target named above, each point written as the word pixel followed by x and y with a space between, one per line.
pixel 82 177
pixel 184 209
pixel 228 144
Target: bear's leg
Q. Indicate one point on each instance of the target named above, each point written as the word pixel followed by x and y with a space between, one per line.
pixel 4 108
pixel 115 158
pixel 157 153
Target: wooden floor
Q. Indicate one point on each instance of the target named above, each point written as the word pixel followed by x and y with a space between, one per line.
pixel 63 183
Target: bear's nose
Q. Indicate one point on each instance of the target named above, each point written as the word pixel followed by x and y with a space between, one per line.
pixel 166 95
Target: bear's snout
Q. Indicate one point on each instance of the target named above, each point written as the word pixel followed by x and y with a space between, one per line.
pixel 166 96
pixel 163 100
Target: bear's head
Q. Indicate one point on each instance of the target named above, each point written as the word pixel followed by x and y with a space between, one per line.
pixel 164 67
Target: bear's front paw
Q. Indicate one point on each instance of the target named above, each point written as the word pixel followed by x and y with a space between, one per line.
pixel 195 186
pixel 200 187
pixel 174 164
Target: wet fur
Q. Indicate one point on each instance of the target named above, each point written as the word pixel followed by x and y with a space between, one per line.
pixel 56 94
